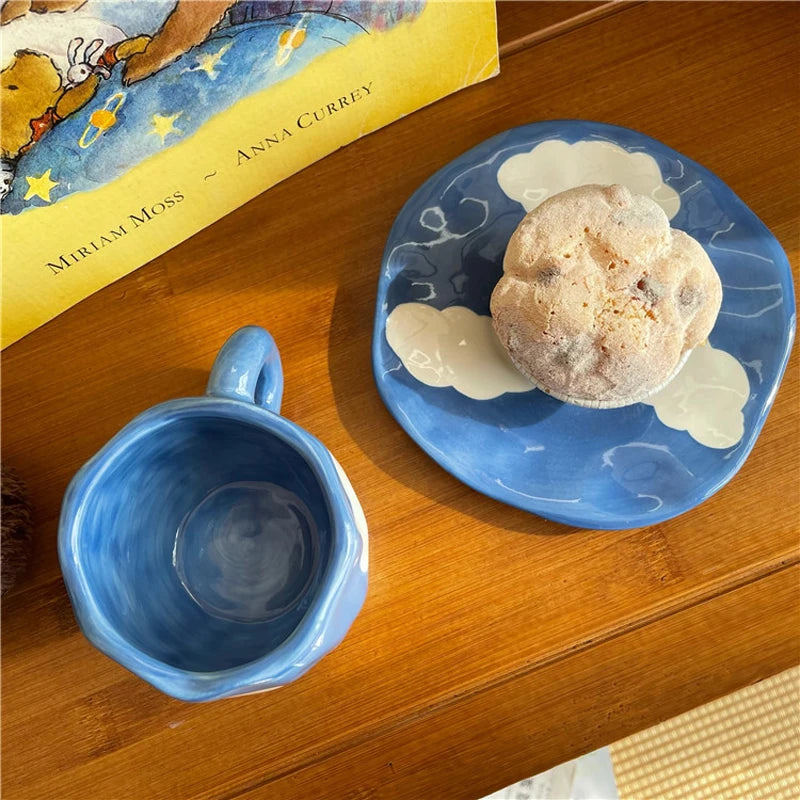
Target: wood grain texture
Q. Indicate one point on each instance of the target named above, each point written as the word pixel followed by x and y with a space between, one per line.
pixel 478 615
pixel 465 746
pixel 523 24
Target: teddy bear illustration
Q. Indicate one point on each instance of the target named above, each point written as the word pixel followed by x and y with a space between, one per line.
pixel 44 83
pixel 56 53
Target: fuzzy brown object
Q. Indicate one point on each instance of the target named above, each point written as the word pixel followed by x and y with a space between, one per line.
pixel 17 529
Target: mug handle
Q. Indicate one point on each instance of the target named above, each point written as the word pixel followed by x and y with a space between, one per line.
pixel 248 368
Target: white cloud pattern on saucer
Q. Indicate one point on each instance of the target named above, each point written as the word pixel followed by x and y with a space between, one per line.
pixel 454 347
pixel 457 347
pixel 554 166
pixel 705 398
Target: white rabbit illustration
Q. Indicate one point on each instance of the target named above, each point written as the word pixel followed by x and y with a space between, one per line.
pixel 53 34
pixel 80 64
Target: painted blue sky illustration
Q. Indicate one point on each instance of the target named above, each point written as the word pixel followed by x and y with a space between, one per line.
pixel 256 45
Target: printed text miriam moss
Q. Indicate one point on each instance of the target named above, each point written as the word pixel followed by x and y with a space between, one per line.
pixel 135 220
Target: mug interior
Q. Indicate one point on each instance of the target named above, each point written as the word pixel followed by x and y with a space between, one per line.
pixel 204 540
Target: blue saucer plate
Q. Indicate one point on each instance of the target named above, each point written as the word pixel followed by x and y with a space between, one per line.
pixel 614 469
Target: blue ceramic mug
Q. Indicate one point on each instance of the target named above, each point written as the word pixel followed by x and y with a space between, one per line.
pixel 213 547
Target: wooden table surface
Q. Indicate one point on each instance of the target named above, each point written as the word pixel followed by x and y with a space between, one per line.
pixel 492 644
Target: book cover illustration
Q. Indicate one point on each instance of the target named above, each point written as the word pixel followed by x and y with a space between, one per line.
pixel 159 95
pixel 126 120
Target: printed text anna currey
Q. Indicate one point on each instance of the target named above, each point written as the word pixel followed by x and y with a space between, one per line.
pixel 304 121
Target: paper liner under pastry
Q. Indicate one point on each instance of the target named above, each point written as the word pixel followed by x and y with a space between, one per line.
pixel 617 402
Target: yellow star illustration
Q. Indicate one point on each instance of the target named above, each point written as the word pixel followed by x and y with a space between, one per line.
pixel 207 62
pixel 40 187
pixel 163 126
